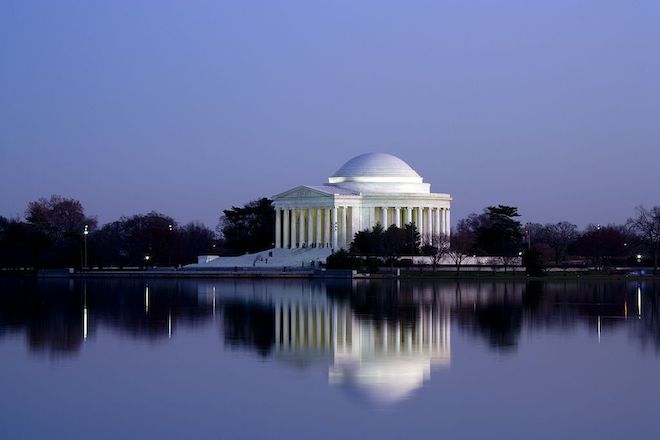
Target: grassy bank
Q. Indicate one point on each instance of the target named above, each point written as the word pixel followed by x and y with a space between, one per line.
pixel 549 276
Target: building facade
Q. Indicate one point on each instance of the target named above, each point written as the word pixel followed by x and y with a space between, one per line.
pixel 370 189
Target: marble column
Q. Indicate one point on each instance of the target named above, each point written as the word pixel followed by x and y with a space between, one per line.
pixel 278 228
pixel 310 227
pixel 409 216
pixel 334 228
pixel 294 228
pixel 326 228
pixel 319 240
pixel 301 228
pixel 432 228
pixel 344 221
pixel 397 217
pixel 448 223
pixel 349 225
pixel 420 226
pixel 425 223
pixel 429 223
pixel 286 227
pixel 438 222
pixel 384 219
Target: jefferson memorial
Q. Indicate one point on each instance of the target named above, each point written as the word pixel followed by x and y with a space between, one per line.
pixel 312 221
pixel 369 189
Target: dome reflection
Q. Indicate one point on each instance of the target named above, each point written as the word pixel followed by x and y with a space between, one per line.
pixel 379 360
pixel 383 362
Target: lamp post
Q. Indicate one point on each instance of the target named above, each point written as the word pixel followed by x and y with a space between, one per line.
pixel 169 252
pixel 85 234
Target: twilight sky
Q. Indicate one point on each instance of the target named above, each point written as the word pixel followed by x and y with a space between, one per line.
pixel 190 107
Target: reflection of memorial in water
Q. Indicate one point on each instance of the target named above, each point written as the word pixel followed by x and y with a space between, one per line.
pixel 337 323
pixel 386 361
pixel 382 360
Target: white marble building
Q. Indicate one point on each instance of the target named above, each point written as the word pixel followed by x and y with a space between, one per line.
pixel 368 189
pixel 312 221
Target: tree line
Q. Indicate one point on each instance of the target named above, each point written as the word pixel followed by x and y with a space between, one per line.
pixel 52 234
pixel 55 231
pixel 497 232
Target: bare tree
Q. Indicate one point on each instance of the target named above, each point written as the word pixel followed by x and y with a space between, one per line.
pixel 534 232
pixel 647 225
pixel 559 237
pixel 438 248
pixel 508 260
pixel 461 244
pixel 58 216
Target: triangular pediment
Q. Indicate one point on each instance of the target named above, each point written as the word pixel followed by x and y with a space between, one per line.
pixel 302 192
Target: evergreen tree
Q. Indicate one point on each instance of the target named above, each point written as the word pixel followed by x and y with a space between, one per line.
pixel 249 228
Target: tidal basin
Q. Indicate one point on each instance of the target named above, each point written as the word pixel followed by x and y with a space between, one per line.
pixel 186 358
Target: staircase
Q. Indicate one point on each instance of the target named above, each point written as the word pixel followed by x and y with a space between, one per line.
pixel 271 258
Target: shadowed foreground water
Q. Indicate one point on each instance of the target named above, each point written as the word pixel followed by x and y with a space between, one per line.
pixel 298 359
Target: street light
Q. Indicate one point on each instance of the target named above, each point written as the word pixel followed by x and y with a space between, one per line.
pixel 85 234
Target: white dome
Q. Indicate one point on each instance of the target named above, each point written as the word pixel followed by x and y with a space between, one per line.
pixel 378 173
pixel 376 165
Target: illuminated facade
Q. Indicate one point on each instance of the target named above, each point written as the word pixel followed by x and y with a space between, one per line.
pixel 370 189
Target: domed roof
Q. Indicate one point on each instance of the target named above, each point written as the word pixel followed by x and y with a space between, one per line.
pixel 376 165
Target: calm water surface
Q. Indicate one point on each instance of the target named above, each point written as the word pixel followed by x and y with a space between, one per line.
pixel 298 359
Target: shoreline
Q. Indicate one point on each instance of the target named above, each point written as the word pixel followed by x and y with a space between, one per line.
pixel 331 274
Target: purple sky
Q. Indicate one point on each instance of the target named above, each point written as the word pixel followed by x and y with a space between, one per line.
pixel 189 107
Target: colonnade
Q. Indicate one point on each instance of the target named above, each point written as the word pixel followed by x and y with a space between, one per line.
pixel 430 221
pixel 333 227
pixel 313 227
